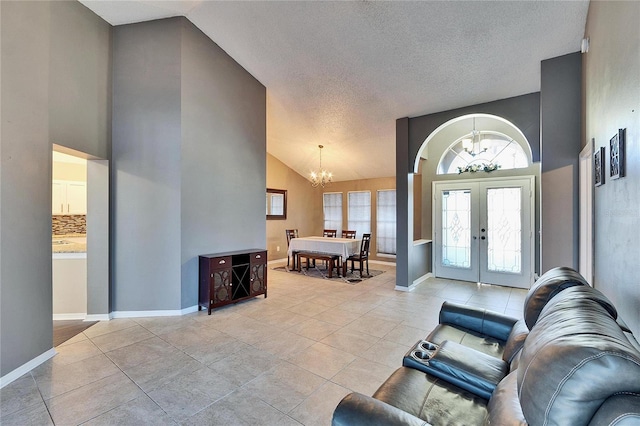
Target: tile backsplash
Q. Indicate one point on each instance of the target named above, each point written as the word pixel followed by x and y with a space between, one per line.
pixel 65 224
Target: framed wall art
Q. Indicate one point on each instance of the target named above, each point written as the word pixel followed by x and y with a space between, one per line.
pixel 616 155
pixel 598 166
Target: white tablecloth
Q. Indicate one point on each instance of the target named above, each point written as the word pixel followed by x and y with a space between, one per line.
pixel 344 247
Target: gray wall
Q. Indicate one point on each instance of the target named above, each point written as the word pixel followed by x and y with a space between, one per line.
pixel 56 71
pixel 145 197
pixel 189 159
pixel 612 101
pixel 25 221
pixel 223 156
pixel 560 101
pixel 80 119
pixel 523 111
pixel 80 79
pixel 98 238
pixel 404 206
pixel 35 35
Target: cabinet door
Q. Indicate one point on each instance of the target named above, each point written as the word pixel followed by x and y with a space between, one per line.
pixel 258 273
pixel 258 278
pixel 59 198
pixel 76 198
pixel 221 283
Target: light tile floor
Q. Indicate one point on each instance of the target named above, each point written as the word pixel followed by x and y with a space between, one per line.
pixel 284 360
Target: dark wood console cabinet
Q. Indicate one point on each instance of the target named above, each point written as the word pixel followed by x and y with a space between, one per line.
pixel 231 277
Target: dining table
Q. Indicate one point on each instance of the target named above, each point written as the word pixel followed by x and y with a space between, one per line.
pixel 343 247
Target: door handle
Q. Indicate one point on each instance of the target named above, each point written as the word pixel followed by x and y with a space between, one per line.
pixel 483 238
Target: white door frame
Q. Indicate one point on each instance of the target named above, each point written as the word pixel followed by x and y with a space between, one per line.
pixel 586 212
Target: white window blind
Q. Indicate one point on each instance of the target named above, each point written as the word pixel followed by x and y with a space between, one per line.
pixel 332 208
pixel 277 204
pixel 386 222
pixel 360 212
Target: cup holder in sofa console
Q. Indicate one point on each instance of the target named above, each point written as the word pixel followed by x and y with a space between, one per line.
pixel 459 365
pixel 420 354
pixel 427 346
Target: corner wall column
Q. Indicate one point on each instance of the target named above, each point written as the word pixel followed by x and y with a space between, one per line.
pixel 98 240
pixel 404 203
pixel 560 111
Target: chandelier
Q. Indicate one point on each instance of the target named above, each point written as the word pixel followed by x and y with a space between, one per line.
pixel 321 177
pixel 470 144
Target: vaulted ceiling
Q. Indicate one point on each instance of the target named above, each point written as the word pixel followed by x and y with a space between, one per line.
pixel 339 73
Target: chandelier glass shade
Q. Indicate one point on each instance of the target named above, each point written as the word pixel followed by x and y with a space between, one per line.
pixel 321 177
pixel 473 144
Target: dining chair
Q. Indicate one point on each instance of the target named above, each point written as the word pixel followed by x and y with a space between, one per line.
pixel 291 234
pixel 332 233
pixel 349 234
pixel 362 257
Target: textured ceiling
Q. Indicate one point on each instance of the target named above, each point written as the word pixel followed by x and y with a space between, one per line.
pixel 341 73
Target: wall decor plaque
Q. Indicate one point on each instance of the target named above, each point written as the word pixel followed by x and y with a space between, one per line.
pixel 598 166
pixel 616 155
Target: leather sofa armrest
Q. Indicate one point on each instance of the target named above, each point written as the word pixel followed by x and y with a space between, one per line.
pixel 356 409
pixel 481 321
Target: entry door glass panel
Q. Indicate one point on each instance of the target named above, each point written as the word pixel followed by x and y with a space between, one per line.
pixel 504 230
pixel 456 228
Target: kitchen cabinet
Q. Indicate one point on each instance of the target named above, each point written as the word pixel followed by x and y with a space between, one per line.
pixel 69 197
pixel 231 277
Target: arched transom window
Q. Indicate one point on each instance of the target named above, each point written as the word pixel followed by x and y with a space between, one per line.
pixel 480 148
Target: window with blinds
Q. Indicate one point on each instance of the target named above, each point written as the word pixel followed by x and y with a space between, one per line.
pixel 386 221
pixel 332 210
pixel 359 212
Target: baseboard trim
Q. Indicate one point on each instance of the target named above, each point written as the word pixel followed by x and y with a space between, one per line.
pixel 403 288
pixel 189 310
pixel 145 314
pixel 98 317
pixel 25 368
pixel 415 283
pixel 276 261
pixel 63 317
pixel 422 278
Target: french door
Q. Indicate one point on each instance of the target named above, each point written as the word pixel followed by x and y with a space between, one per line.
pixel 483 230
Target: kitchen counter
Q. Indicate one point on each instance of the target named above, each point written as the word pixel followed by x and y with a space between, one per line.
pixel 71 243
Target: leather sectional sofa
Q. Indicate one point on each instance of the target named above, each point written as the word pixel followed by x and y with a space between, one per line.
pixel 570 361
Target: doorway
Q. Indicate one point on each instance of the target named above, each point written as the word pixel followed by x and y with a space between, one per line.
pixel 95 304
pixel 69 237
pixel 483 230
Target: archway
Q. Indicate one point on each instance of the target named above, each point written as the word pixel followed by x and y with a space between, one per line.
pixel 459 126
pixel 446 148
